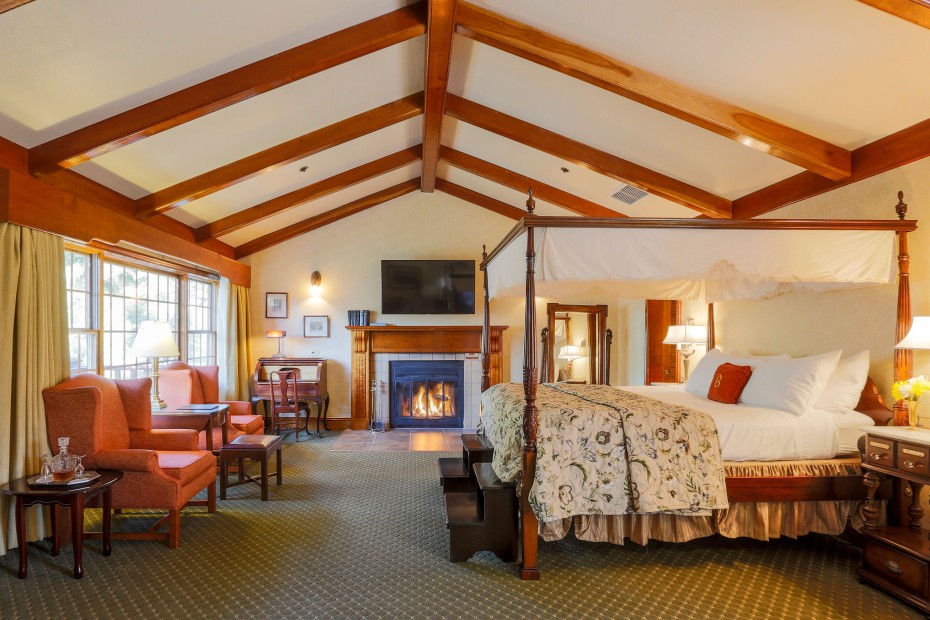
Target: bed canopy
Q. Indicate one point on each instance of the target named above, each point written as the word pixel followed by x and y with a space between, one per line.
pixel 647 259
pixel 707 259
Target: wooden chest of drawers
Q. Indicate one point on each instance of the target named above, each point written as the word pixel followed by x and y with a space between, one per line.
pixel 896 556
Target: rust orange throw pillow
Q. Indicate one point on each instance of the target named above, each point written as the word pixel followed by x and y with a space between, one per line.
pixel 728 383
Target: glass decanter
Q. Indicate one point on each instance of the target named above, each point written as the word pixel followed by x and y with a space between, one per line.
pixel 63 464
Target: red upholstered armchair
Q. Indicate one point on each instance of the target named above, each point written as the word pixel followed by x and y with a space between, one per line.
pixel 111 423
pixel 181 384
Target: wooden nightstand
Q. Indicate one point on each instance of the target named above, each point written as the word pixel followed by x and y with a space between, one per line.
pixel 896 556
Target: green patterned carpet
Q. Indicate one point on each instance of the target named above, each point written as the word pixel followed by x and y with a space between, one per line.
pixel 361 535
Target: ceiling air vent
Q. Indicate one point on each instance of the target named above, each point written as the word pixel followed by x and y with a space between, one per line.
pixel 629 194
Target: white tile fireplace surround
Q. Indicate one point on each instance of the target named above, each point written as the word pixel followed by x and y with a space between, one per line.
pixel 472 386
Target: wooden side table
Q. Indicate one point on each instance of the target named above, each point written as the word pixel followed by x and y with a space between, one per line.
pixel 75 498
pixel 195 417
pixel 896 556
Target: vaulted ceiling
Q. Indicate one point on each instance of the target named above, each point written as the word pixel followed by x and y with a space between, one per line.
pixel 249 123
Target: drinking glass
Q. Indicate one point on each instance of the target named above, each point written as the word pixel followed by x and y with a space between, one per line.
pixel 79 468
pixel 45 474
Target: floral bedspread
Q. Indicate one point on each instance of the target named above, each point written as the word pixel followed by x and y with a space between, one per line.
pixel 601 450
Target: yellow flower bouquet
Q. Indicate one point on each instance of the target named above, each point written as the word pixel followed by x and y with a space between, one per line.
pixel 910 392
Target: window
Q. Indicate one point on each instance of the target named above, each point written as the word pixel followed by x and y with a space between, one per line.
pixel 132 295
pixel 107 301
pixel 82 332
pixel 201 331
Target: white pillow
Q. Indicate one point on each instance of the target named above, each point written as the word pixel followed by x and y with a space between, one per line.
pixel 792 385
pixel 843 388
pixel 703 373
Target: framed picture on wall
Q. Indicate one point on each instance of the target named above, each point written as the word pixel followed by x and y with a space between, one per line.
pixel 316 327
pixel 275 305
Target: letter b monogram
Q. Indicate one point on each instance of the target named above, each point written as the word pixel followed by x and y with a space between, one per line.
pixel 717 380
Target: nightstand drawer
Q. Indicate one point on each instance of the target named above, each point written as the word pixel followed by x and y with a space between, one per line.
pixel 904 571
pixel 913 458
pixel 880 451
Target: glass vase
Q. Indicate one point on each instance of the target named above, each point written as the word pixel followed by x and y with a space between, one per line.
pixel 912 412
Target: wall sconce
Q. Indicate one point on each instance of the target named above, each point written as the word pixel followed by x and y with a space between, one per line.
pixel 279 335
pixel 316 281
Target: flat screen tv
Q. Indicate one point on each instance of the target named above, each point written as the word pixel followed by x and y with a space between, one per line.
pixel 427 287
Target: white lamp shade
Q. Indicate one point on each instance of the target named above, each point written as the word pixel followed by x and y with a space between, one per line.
pixel 155 339
pixel 686 334
pixel 571 352
pixel 918 337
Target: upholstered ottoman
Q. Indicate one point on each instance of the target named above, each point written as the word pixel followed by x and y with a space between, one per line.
pixel 255 448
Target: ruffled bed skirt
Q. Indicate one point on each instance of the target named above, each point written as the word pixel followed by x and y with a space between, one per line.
pixel 758 520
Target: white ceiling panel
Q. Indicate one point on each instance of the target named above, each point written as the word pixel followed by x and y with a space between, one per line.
pixel 288 178
pixel 611 123
pixel 546 168
pixel 68 64
pixel 837 69
pixel 322 205
pixel 264 121
pixel 494 190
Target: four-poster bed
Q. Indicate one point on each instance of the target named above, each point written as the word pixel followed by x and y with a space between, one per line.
pixel 751 264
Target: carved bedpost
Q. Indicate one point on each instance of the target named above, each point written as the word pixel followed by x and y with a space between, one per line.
pixel 529 526
pixel 486 327
pixel 903 358
pixel 711 334
pixel 608 340
pixel 544 362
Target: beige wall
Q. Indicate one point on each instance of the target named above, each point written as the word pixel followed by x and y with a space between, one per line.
pixel 849 320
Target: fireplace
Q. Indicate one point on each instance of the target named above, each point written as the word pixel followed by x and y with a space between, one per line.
pixel 427 393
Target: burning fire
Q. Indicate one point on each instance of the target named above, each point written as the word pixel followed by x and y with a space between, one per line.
pixel 436 402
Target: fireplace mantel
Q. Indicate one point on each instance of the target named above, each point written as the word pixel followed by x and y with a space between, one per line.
pixel 368 340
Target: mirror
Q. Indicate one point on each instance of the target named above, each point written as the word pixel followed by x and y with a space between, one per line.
pixel 576 344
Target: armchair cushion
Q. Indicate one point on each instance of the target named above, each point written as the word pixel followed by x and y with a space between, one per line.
pixel 186 466
pixel 248 424
pixel 114 427
pixel 176 387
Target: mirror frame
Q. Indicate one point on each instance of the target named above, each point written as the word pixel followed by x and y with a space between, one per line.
pixel 598 337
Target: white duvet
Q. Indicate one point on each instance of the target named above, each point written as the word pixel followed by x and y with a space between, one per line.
pixel 759 434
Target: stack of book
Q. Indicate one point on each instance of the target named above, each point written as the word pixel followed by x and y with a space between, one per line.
pixel 359 317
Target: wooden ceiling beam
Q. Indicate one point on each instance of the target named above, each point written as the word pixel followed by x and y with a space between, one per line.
pixel 587 156
pixel 513 180
pixel 914 11
pixel 227 89
pixel 898 149
pixel 439 28
pixel 333 184
pixel 479 199
pixel 324 219
pixel 9 5
pixel 653 91
pixel 280 155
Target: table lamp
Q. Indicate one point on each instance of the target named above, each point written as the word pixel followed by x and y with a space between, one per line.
pixel 570 352
pixel 684 337
pixel 279 334
pixel 155 339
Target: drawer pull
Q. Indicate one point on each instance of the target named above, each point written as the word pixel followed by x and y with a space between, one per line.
pixel 913 452
pixel 876 444
pixel 912 464
pixel 876 456
pixel 893 567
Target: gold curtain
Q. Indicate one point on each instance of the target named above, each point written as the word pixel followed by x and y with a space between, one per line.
pixel 33 356
pixel 234 346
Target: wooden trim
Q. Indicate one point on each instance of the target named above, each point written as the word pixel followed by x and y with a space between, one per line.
pixel 333 215
pixel 29 202
pixel 903 358
pixel 230 88
pixel 599 161
pixel 513 180
pixel 368 340
pixel 529 568
pixel 654 91
pixel 439 27
pixel 9 5
pixel 914 11
pixel 898 149
pixel 279 155
pixel 711 328
pixel 335 183
pixel 141 259
pixel 476 198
